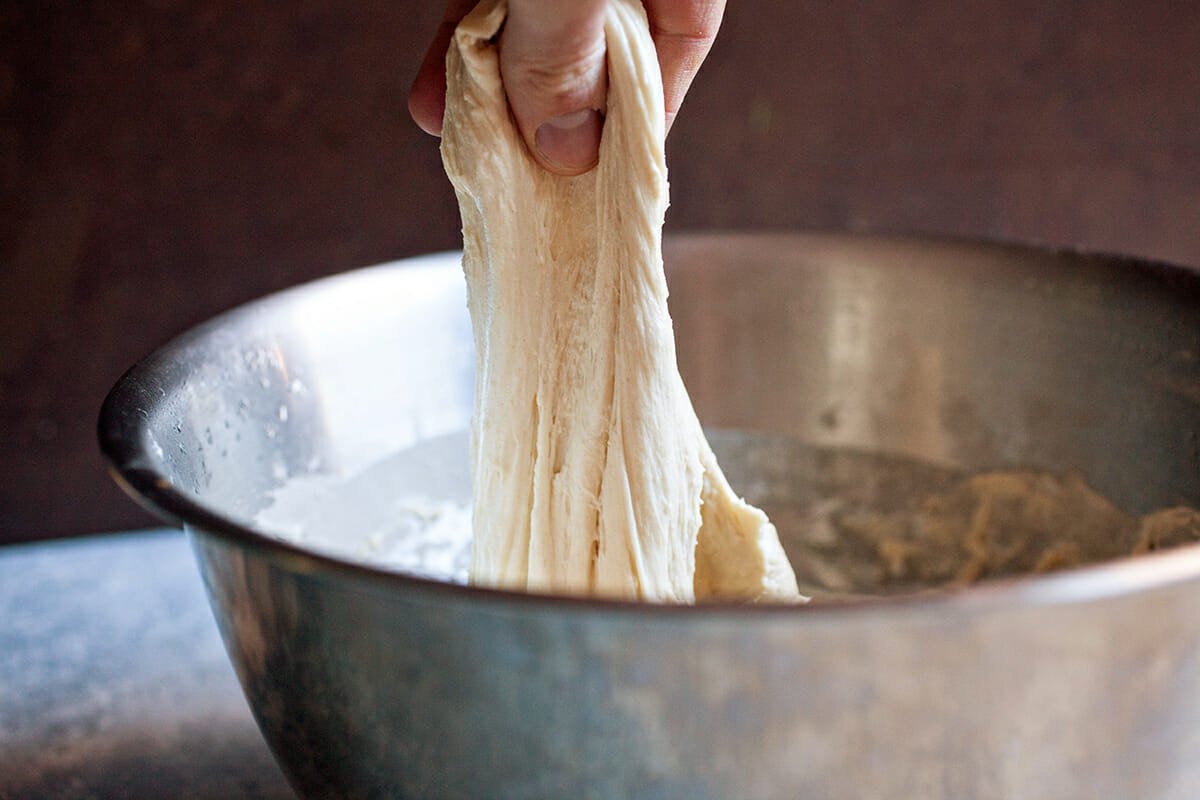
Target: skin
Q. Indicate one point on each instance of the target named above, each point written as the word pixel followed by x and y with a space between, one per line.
pixel 552 64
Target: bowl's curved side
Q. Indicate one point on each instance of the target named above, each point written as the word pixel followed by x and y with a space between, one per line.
pixel 369 693
pixel 369 683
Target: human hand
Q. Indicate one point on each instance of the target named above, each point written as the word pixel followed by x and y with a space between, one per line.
pixel 552 64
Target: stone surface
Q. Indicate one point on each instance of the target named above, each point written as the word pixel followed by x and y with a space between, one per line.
pixel 113 680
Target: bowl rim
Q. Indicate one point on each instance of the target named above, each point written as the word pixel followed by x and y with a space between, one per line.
pixel 122 418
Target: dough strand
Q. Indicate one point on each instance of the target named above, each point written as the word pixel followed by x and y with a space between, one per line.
pixel 592 475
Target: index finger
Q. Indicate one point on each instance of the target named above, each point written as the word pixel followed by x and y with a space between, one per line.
pixel 683 32
pixel 427 98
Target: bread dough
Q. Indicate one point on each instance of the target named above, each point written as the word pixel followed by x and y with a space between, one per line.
pixel 591 473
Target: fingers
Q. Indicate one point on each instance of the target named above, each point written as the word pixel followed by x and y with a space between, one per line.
pixel 427 98
pixel 683 32
pixel 553 68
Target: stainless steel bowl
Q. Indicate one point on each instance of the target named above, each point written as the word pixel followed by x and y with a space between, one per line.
pixel 1084 683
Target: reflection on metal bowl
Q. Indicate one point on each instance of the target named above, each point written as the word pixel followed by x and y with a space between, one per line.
pixel 963 357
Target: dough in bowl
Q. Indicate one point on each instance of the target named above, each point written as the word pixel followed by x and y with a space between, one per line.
pixel 592 475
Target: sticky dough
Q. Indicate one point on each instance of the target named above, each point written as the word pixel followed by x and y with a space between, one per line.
pixel 592 475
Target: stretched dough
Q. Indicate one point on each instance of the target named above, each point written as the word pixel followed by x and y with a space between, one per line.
pixel 592 475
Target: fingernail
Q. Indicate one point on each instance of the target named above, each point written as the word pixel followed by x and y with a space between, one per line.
pixel 571 141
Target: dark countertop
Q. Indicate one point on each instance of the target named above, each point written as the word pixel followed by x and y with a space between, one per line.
pixel 113 679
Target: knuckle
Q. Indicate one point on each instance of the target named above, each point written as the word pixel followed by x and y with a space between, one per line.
pixel 689 23
pixel 560 74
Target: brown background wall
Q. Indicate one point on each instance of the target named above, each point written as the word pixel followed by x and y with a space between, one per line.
pixel 162 161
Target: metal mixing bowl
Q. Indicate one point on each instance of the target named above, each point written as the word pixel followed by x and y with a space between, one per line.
pixel 1084 683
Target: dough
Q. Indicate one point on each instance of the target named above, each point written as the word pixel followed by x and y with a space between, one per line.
pixel 591 473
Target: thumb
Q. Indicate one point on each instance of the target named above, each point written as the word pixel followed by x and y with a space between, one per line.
pixel 553 67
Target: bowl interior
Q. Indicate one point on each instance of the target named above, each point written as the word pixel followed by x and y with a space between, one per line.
pixel 953 356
